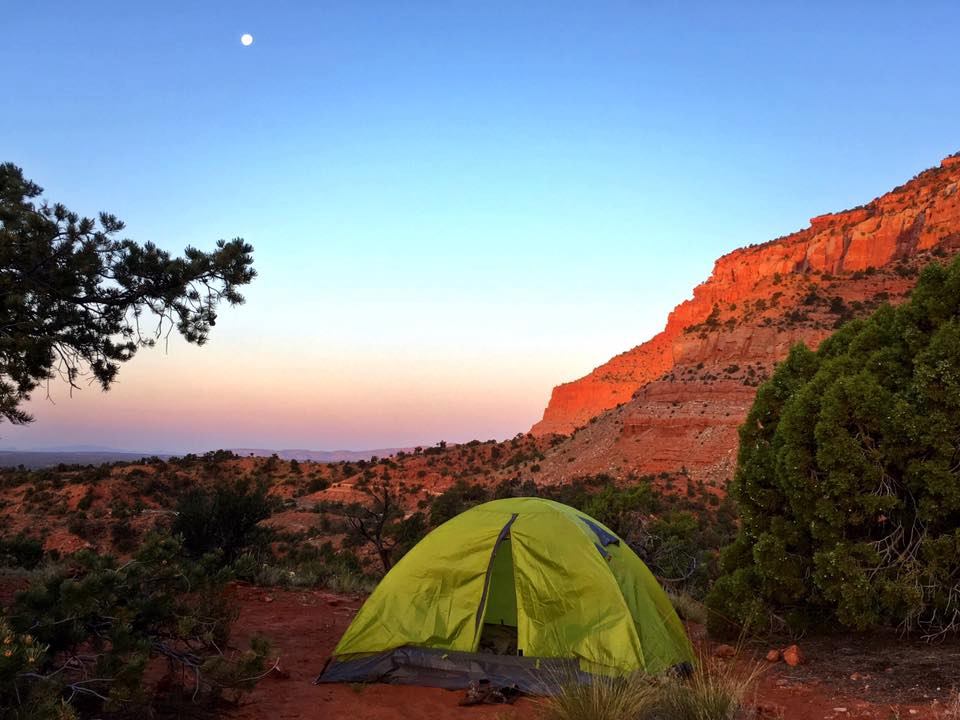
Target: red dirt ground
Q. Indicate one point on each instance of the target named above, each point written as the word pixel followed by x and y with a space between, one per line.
pixel 304 626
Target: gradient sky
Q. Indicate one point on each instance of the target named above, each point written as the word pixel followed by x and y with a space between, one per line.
pixel 454 205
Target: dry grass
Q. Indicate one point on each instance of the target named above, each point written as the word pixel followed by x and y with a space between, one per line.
pixel 951 710
pixel 604 699
pixel 687 608
pixel 717 690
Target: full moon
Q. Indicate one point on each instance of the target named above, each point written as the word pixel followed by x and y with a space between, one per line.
pixel 246 39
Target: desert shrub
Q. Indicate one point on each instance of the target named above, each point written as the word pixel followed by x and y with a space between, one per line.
pixel 848 483
pixel 87 500
pixel 20 551
pixel 317 484
pixel 80 638
pixel 123 535
pixel 225 518
pixel 454 500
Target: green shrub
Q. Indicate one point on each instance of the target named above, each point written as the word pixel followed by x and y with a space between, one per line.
pixel 847 480
pixel 225 519
pixel 317 484
pixel 109 620
pixel 20 551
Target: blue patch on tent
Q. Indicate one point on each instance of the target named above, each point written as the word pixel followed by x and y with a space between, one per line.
pixel 606 538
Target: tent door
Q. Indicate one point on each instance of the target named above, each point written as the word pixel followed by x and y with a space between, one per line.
pixel 501 545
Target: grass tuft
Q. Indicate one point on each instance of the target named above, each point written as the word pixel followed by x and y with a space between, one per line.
pixel 717 690
pixel 687 608
pixel 605 699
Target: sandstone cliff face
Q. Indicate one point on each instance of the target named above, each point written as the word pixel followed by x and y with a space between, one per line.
pixel 675 402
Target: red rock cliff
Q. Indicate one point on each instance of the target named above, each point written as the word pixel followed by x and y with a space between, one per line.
pixel 756 302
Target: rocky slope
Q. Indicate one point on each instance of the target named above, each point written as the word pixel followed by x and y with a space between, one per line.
pixel 674 402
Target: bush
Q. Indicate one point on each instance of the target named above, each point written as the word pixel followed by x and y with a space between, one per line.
pixel 225 519
pixel 847 480
pixel 317 484
pixel 81 638
pixel 20 551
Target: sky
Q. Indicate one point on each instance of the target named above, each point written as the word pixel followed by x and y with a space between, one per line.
pixel 454 205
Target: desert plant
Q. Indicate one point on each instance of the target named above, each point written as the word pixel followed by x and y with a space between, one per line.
pixel 847 481
pixel 83 636
pixel 716 690
pixel 629 698
pixel 224 519
pixel 687 608
pixel 20 551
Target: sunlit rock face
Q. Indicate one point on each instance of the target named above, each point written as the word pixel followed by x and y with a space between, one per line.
pixel 683 393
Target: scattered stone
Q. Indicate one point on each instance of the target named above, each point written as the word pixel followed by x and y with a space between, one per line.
pixel 793 656
pixel 724 651
pixel 840 709
pixel 267 598
pixel 773 656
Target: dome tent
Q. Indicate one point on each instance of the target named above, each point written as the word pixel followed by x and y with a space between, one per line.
pixel 578 599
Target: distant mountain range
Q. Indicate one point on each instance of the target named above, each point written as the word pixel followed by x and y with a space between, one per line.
pixel 320 455
pixel 35 459
pixel 98 455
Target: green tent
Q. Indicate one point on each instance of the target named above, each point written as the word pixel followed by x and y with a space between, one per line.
pixel 575 598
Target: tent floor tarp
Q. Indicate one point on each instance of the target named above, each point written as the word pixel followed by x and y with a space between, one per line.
pixel 456 670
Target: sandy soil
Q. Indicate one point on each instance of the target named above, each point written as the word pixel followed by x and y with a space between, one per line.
pixel 843 678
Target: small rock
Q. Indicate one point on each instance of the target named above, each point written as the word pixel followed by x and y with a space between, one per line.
pixel 724 651
pixel 773 656
pixel 840 709
pixel 793 656
pixel 267 598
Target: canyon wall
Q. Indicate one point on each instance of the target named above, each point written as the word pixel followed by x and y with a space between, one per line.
pixel 909 222
pixel 674 403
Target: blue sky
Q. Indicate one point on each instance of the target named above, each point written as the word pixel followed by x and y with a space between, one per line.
pixel 454 205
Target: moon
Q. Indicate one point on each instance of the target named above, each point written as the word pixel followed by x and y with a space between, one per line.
pixel 246 39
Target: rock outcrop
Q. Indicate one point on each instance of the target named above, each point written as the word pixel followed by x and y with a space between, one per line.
pixel 675 401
